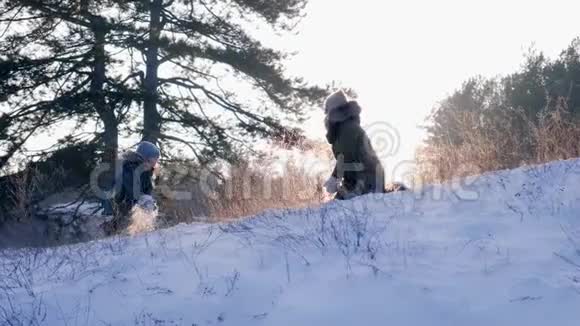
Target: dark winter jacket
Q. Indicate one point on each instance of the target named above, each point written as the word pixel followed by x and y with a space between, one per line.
pixel 133 182
pixel 357 164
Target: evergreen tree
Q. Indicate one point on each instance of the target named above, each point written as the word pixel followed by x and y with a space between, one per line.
pixel 54 70
pixel 198 44
pixel 157 67
pixel 498 109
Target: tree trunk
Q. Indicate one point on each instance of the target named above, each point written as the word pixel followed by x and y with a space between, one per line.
pixel 111 132
pixel 106 114
pixel 151 117
pixel 99 28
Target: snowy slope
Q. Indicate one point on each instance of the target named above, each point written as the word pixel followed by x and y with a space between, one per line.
pixel 500 249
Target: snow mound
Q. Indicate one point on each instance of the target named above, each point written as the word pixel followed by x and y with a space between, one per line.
pixel 498 249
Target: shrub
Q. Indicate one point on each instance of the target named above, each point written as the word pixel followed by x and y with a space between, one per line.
pixel 519 140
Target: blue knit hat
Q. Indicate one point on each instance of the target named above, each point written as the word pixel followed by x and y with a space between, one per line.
pixel 148 150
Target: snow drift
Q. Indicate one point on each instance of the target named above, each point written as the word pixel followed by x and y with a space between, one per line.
pixel 498 249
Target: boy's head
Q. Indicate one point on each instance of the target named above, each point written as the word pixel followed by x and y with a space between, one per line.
pixel 149 152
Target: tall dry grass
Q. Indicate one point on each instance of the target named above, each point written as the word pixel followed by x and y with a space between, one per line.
pixel 251 189
pixel 26 189
pixel 248 187
pixel 515 140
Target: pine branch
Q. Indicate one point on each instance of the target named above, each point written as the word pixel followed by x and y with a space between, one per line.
pixel 10 21
pixel 184 142
pixel 52 10
pixel 21 19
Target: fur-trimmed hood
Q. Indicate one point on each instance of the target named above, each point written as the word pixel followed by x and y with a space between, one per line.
pixel 342 113
pixel 347 112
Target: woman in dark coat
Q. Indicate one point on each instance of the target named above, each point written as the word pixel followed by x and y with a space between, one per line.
pixel 358 170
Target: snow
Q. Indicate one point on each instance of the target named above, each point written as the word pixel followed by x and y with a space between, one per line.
pixel 498 249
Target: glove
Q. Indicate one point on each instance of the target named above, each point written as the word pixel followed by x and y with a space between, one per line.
pixel 331 185
pixel 146 202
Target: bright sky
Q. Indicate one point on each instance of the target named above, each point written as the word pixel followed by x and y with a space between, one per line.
pixel 403 56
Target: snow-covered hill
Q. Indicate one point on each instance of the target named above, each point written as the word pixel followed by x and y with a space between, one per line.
pixel 500 249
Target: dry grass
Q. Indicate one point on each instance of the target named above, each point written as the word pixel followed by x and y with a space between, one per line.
pixel 515 141
pixel 247 188
pixel 251 189
pixel 27 188
pixel 557 136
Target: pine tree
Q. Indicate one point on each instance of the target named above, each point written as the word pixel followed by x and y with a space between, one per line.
pixel 195 44
pixel 54 70
pixel 157 67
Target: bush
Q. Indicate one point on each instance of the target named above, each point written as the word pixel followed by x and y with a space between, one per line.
pixel 520 140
